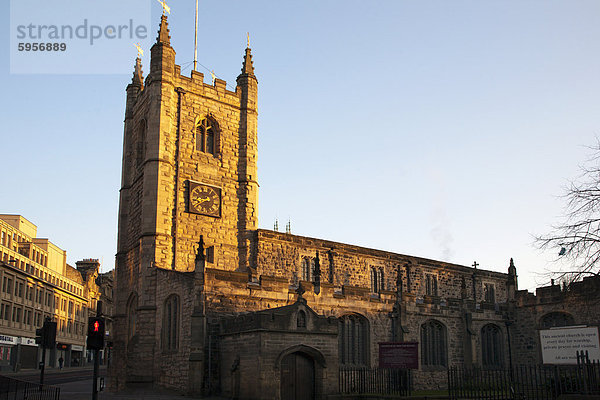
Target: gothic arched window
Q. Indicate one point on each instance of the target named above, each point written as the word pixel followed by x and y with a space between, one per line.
pixel 431 285
pixel 171 323
pixel 301 319
pixel 491 346
pixel 354 340
pixel 140 151
pixel 206 136
pixel 374 281
pixel 377 284
pixel 433 344
pixel 132 306
pixel 556 319
pixel 306 267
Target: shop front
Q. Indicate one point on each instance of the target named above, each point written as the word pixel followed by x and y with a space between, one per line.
pixel 8 357
pixel 76 355
pixel 29 353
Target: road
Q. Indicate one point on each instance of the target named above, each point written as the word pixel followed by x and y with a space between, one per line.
pixel 53 377
pixel 76 384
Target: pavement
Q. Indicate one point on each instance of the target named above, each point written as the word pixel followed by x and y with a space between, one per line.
pixel 81 388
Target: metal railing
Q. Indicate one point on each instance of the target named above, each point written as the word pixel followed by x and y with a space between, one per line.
pixel 14 389
pixel 363 380
pixel 537 382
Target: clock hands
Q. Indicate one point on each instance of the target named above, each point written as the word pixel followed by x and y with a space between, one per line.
pixel 201 199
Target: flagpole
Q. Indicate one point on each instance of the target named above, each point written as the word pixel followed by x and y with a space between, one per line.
pixel 196 39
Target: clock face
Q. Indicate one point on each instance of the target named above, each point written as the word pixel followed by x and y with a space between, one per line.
pixel 205 200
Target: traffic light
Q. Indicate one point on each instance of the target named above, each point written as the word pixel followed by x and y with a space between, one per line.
pixel 50 334
pixel 95 339
pixel 39 336
pixel 46 335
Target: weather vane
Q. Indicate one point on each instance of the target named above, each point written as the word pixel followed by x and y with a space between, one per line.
pixel 248 38
pixel 212 74
pixel 139 50
pixel 164 6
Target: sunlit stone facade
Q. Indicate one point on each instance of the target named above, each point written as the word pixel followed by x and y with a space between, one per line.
pixel 208 303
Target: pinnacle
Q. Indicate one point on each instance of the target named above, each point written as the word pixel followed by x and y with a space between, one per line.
pixel 163 32
pixel 138 74
pixel 247 66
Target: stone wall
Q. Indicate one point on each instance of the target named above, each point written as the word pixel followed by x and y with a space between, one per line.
pixel 275 279
pixel 579 302
pixel 253 345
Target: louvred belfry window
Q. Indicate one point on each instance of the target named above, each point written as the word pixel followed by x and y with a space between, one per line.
pixel 206 136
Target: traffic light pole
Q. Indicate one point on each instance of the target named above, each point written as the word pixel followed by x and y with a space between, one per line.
pixel 97 354
pixel 96 367
pixel 43 366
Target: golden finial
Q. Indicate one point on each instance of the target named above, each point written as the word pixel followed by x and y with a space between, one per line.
pixel 213 76
pixel 248 38
pixel 139 50
pixel 164 6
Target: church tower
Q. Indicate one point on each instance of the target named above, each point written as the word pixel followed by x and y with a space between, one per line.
pixel 189 171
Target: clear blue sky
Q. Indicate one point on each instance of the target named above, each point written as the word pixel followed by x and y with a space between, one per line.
pixel 442 129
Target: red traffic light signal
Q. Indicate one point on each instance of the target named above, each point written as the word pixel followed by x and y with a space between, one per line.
pixel 96 330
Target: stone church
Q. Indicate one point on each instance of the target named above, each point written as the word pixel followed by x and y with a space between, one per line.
pixel 208 303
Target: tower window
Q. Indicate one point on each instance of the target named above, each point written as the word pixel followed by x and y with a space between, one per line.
pixel 171 323
pixel 140 152
pixel 132 315
pixel 206 136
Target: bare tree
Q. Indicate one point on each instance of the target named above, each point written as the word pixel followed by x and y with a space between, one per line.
pixel 577 237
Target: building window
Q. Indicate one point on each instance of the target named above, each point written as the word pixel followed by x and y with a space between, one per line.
pixel 171 323
pixel 210 254
pixel 491 346
pixel 6 285
pixel 206 136
pixel 489 293
pixel 301 319
pixel 6 312
pixel 431 285
pixel 556 319
pixel 353 340
pixel 377 282
pixel 306 268
pixel 140 151
pixel 132 306
pixel 433 344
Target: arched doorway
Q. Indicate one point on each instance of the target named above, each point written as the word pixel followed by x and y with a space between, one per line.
pixel 297 377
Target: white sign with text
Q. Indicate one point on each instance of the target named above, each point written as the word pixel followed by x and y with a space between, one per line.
pixel 560 345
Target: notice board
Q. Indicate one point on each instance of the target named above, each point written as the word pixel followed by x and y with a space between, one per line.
pixel 560 345
pixel 399 355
